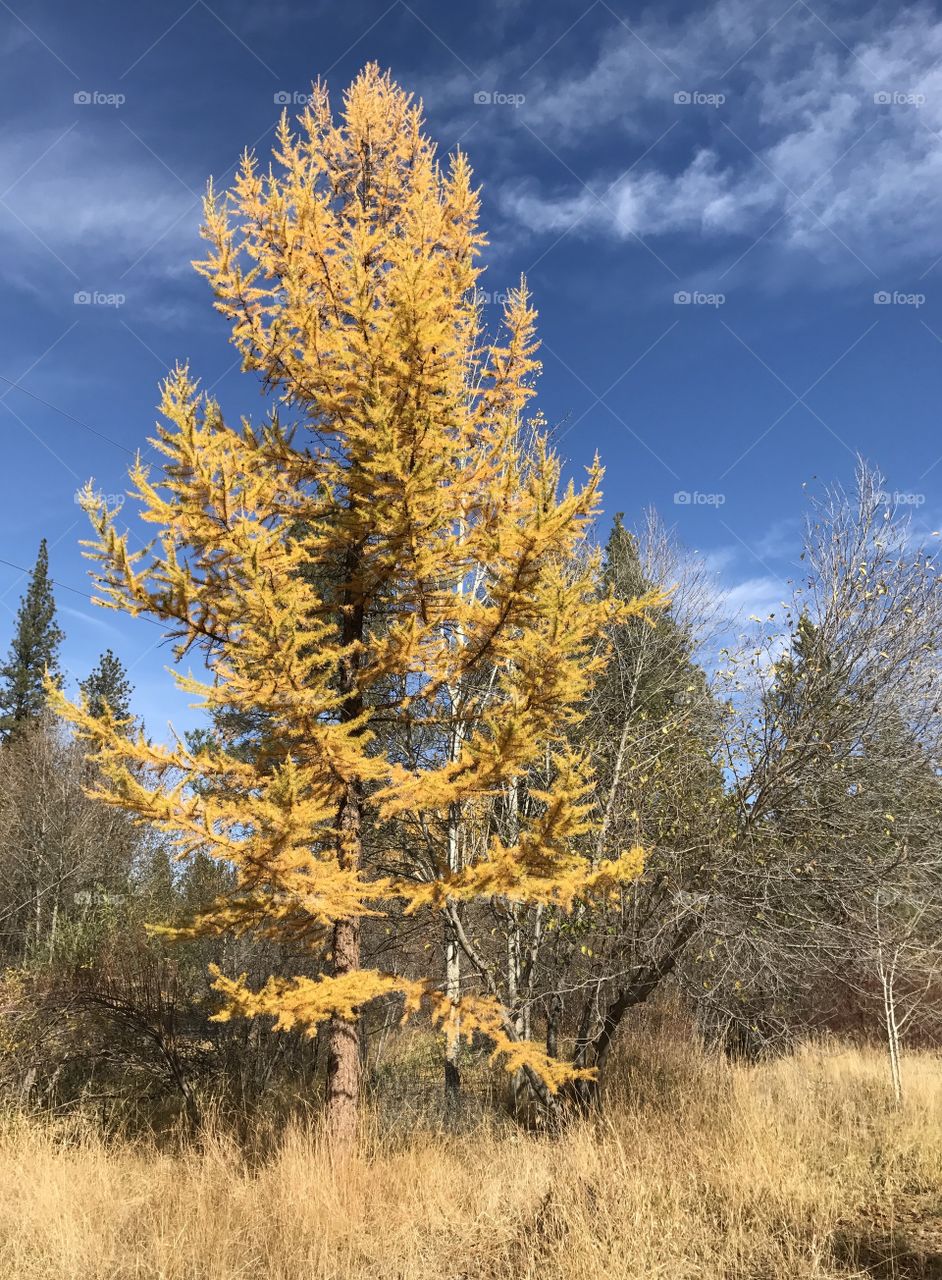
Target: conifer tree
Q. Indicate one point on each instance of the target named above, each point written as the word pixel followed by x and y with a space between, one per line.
pixel 107 687
pixel 653 723
pixel 391 534
pixel 33 652
pixel 652 728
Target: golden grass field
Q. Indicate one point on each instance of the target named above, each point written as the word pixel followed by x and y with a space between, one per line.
pixel 795 1168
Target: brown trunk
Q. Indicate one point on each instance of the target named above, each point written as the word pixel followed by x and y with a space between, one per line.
pixel 342 1102
pixel 343 1047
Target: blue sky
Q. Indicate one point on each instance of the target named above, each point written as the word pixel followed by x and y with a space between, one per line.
pixel 730 216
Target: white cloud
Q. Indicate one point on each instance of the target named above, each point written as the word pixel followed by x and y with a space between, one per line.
pixel 754 597
pixel 97 207
pixel 782 540
pixel 703 198
pixel 800 140
pixel 88 619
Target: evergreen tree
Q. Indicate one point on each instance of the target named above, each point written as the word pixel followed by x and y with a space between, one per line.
pixel 652 723
pixel 107 685
pixel 34 651
pixel 652 728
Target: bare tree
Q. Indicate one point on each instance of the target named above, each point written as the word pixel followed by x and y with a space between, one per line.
pixel 833 753
pixel 58 849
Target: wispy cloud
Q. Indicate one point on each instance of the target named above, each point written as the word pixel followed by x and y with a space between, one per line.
pixel 754 597
pixel 828 142
pixel 89 205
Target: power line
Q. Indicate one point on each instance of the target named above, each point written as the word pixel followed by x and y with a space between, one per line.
pixel 18 386
pixel 64 586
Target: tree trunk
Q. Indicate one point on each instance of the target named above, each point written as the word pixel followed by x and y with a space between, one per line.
pixel 453 991
pixel 593 1050
pixel 554 1013
pixel 343 1048
pixel 344 1066
pixel 452 960
pixel 892 1035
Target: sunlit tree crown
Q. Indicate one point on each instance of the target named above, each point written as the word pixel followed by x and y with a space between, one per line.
pixel 391 546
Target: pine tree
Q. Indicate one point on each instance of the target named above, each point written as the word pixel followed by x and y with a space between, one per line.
pixel 33 652
pixel 653 723
pixel 393 533
pixel 107 687
pixel 652 728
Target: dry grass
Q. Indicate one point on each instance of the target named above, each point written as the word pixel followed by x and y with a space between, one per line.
pixel 797 1168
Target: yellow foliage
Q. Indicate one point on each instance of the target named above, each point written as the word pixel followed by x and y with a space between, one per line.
pixel 309 1002
pixel 393 536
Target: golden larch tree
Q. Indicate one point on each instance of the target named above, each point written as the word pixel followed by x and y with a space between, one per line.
pixel 391 544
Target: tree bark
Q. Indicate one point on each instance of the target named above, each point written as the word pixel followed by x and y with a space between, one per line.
pixel 452 967
pixel 593 1051
pixel 453 991
pixel 344 1066
pixel 887 979
pixel 452 950
pixel 343 1049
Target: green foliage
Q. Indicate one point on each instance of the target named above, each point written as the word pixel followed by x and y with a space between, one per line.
pixel 653 727
pixel 33 652
pixel 108 686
